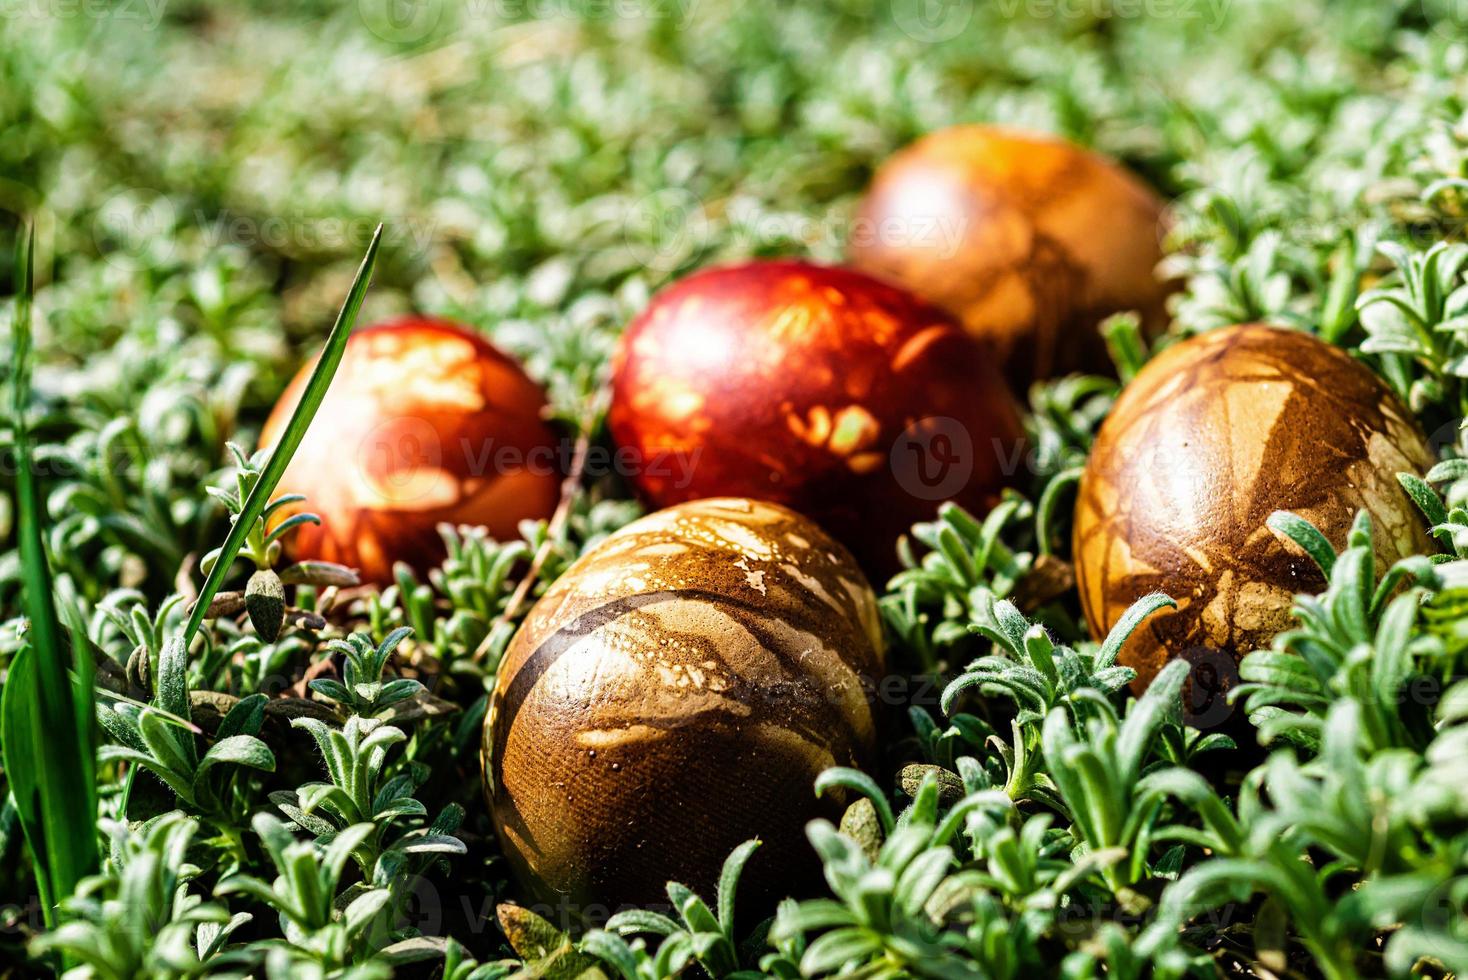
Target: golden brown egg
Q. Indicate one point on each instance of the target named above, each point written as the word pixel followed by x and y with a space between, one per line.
pixel 1212 437
pixel 818 388
pixel 425 422
pixel 675 693
pixel 1028 239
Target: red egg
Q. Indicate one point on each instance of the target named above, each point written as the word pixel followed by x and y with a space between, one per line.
pixel 819 388
pixel 425 423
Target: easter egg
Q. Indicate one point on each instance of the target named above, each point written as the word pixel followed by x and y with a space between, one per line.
pixel 424 423
pixel 1213 436
pixel 818 388
pixel 1028 239
pixel 674 694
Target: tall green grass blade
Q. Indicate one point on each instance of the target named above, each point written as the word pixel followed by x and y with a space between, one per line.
pixel 47 736
pixel 24 769
pixel 326 366
pixel 83 679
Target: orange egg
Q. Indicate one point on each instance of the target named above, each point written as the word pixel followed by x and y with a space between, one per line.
pixel 425 423
pixel 1028 239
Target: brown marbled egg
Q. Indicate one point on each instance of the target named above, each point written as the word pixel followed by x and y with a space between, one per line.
pixel 1028 239
pixel 819 388
pixel 1213 436
pixel 425 423
pixel 675 693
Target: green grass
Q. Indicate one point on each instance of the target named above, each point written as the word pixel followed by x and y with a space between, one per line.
pixel 202 190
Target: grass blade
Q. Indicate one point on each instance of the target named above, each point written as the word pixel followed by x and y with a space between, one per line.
pixel 47 737
pixel 326 365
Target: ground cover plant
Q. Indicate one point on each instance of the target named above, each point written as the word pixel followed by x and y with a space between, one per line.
pixel 287 782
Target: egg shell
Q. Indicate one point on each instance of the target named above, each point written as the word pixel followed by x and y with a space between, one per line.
pixel 424 423
pixel 675 693
pixel 818 388
pixel 1213 435
pixel 1028 239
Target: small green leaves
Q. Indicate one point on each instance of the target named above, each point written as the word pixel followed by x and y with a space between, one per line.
pixel 366 790
pixel 729 883
pixel 164 745
pixel 878 914
pixel 862 784
pixel 362 690
pixel 1356 638
pixel 1136 613
pixel 139 918
pixel 1035 673
pixel 1124 341
pixel 695 936
pixel 967 559
pixel 1307 536
pixel 1422 316
pixel 320 929
pixel 1448 525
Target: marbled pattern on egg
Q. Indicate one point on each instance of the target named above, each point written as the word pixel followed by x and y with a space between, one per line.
pixel 819 388
pixel 675 693
pixel 424 423
pixel 1213 436
pixel 1028 239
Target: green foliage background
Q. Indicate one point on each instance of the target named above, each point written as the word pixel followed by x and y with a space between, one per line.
pixel 204 177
